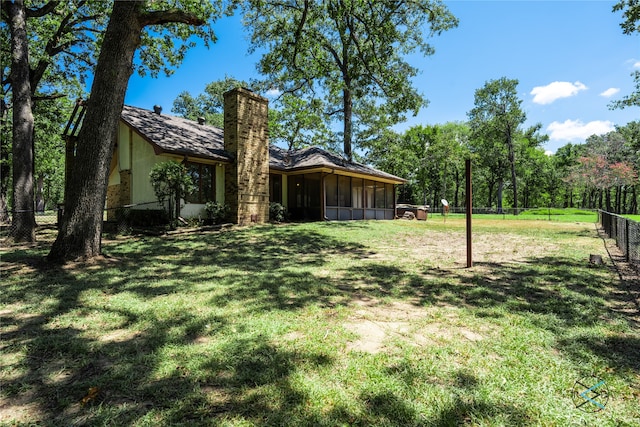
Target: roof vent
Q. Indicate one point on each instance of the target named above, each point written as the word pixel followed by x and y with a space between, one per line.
pixel 157 109
pixel 201 120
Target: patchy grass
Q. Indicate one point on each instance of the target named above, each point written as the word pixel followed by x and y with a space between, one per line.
pixel 358 323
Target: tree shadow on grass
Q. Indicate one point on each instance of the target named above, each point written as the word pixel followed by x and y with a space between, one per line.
pixel 139 361
pixel 56 355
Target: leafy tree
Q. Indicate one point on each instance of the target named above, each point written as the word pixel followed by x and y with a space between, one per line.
pixel 50 119
pixel 347 56
pixel 632 100
pixel 453 139
pixel 154 27
pixel 631 13
pixel 292 121
pixel 171 181
pixel 496 119
pixel 630 25
pixel 209 104
pixel 50 45
pixel 297 123
pixel 564 161
pixel 431 158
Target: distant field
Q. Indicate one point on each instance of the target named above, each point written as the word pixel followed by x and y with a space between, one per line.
pixel 633 217
pixel 540 214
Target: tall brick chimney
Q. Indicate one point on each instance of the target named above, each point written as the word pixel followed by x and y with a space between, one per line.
pixel 246 138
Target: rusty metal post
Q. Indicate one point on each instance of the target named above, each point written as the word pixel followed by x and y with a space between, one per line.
pixel 469 202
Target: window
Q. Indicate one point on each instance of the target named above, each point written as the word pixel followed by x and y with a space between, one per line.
pixel 369 188
pixel 390 196
pixel 331 189
pixel 275 188
pixel 357 191
pixel 344 191
pixel 204 179
pixel 380 195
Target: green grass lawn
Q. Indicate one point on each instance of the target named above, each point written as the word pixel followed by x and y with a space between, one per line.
pixel 540 214
pixel 348 323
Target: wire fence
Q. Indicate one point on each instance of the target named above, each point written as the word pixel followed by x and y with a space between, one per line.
pixel 119 219
pixel 625 232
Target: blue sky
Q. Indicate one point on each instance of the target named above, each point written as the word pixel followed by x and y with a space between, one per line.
pixel 570 58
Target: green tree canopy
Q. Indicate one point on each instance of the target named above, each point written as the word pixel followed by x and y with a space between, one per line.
pixel 209 104
pixel 495 122
pixel 347 56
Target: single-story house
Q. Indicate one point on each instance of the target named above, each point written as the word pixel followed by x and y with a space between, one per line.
pixel 239 167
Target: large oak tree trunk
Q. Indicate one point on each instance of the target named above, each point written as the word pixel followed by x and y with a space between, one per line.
pixel 80 232
pixel 23 226
pixel 81 226
pixel 5 170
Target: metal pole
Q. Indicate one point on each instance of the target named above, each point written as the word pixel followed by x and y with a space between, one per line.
pixel 469 212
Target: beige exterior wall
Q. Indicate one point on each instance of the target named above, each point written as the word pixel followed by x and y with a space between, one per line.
pixel 129 181
pixel 124 146
pixel 246 138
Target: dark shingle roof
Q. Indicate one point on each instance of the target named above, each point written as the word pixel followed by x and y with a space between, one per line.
pixel 181 136
pixel 177 135
pixel 314 157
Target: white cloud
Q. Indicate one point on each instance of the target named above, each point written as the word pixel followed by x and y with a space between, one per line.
pixel 636 64
pixel 273 92
pixel 548 152
pixel 610 92
pixel 556 90
pixel 571 130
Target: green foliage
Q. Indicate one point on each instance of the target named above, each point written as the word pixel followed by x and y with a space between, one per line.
pixel 495 122
pixel 50 117
pixel 631 14
pixel 277 212
pixel 217 212
pixel 347 58
pixel 171 181
pixel 632 100
pixel 299 123
pixel 209 104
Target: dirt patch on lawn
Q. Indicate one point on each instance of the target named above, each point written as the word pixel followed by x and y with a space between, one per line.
pixel 380 326
pixel 23 408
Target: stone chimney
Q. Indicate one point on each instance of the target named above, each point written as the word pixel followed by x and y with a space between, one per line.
pixel 246 139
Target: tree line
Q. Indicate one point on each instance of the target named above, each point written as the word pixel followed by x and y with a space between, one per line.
pixel 511 169
pixel 336 64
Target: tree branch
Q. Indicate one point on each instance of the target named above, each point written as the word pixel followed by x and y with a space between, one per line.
pixel 36 98
pixel 44 10
pixel 169 16
pixel 298 33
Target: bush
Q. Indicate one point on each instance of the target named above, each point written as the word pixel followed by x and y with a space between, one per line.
pixel 216 212
pixel 277 212
pixel 171 181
